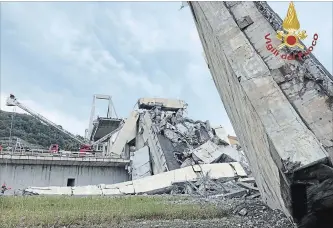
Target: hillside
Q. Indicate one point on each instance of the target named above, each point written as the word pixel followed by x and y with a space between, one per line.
pixel 33 131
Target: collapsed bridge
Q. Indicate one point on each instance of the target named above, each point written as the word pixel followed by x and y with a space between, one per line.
pixel 281 111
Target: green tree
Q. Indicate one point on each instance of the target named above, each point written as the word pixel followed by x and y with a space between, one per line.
pixel 33 131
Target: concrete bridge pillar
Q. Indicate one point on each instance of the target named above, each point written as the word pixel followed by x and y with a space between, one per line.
pixel 281 109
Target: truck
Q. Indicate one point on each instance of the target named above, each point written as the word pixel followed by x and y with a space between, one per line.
pixel 54 148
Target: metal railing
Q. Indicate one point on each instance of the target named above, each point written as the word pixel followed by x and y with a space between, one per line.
pixel 46 153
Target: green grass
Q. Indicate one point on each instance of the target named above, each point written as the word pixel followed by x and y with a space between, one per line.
pixel 49 211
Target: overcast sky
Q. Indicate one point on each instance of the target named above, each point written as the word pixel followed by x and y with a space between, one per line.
pixel 56 55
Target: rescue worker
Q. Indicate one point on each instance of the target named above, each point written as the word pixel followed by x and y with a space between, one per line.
pixel 4 188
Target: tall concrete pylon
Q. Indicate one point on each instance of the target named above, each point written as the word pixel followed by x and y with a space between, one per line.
pixel 281 110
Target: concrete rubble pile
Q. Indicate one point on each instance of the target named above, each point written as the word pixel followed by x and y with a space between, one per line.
pixel 223 188
pixel 181 141
pixel 173 154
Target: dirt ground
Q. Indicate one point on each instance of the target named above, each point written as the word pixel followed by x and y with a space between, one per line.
pixel 240 213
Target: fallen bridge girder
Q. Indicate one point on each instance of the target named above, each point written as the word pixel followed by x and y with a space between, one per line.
pixel 275 134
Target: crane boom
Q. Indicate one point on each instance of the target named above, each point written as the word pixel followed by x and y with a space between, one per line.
pixel 12 101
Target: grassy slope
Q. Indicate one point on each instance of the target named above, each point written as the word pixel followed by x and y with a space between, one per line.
pixel 63 211
pixel 33 131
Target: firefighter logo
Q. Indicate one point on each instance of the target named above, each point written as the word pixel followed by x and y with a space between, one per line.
pixel 291 35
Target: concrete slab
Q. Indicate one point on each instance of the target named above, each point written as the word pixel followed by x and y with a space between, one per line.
pixel 118 189
pixel 104 126
pixel 221 133
pixel 159 183
pixel 208 152
pixel 52 190
pixel 166 104
pixel 141 163
pixel 86 190
pixel 157 156
pixel 125 135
